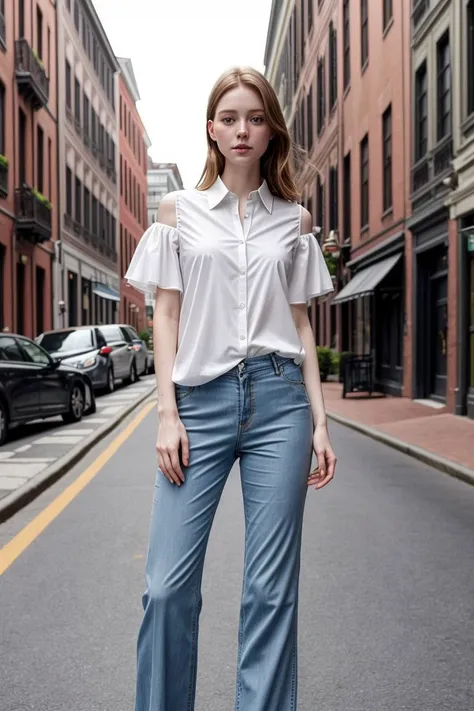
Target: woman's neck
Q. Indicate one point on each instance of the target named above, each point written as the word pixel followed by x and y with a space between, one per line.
pixel 242 182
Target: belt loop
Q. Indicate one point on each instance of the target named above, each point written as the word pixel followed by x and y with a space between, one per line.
pixel 275 364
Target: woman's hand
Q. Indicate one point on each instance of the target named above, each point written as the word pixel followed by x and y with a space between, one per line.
pixel 324 472
pixel 171 436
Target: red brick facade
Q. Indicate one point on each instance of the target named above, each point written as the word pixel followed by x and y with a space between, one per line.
pixel 28 228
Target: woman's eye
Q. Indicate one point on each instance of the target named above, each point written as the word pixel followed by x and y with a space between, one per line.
pixel 258 119
pixel 227 120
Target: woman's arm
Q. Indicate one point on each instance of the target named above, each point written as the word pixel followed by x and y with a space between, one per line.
pixel 171 433
pixel 321 444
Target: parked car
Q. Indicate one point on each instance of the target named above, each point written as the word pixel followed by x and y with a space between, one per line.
pixel 85 348
pixel 123 355
pixel 140 348
pixel 34 385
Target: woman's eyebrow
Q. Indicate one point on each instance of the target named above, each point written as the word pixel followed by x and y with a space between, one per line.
pixel 233 111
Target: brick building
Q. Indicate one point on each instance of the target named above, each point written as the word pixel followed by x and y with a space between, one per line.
pixel 86 280
pixel 133 147
pixel 28 145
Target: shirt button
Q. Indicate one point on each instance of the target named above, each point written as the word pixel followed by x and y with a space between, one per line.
pixel 242 271
pixel 241 241
pixel 246 214
pixel 241 306
pixel 242 338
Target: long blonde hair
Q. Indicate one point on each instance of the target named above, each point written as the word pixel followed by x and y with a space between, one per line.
pixel 276 165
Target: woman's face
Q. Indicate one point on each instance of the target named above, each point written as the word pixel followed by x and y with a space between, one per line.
pixel 240 120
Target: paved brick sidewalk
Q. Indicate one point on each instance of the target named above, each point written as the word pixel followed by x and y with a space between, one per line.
pixel 433 430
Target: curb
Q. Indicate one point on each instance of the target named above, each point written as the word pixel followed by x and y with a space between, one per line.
pixel 445 465
pixel 15 501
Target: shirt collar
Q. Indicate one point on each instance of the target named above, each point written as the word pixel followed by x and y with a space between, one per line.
pixel 217 192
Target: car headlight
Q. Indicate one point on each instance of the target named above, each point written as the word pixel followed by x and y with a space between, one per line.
pixel 89 362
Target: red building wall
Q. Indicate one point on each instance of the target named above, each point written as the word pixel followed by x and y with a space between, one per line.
pixel 29 308
pixel 133 193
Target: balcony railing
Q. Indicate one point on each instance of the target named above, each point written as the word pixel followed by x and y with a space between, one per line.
pixel 33 217
pixel 3 31
pixel 443 155
pixel 31 77
pixel 420 8
pixel 420 174
pixel 3 180
pixel 431 167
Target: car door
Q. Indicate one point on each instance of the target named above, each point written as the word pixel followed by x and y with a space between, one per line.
pixel 53 384
pixel 132 354
pixel 139 347
pixel 19 379
pixel 120 353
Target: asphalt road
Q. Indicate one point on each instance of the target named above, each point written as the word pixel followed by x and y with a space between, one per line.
pixel 387 589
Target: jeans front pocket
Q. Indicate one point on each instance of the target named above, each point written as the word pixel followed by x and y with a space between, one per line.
pixel 292 373
pixel 183 391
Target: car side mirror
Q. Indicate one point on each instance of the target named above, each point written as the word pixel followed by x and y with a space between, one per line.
pixel 55 362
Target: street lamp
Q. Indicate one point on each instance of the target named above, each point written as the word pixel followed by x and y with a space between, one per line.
pixel 331 245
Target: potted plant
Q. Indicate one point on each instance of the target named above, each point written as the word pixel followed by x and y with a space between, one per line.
pixel 3 161
pixel 325 362
pixel 41 198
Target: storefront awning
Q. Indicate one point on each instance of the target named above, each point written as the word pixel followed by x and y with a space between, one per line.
pixel 366 281
pixel 105 292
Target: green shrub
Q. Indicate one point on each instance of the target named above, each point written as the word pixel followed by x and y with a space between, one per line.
pixel 335 359
pixel 331 264
pixel 3 161
pixel 145 335
pixel 325 362
pixel 39 196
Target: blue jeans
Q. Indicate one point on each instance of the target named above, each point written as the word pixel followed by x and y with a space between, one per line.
pixel 258 412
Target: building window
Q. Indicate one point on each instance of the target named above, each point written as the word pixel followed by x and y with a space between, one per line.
pixel 387 159
pixel 39 32
pixel 22 146
pixel 321 95
pixel 2 119
pixel 87 209
pixel 421 112
pixel 50 169
pixel 21 18
pixel 387 13
pixel 364 181
pixel 85 117
pixel 347 196
pixel 68 192
pixel 443 87
pixel 346 43
pixel 309 120
pixel 68 86
pixel 78 201
pixel 332 66
pixel 333 198
pixel 95 209
pixel 76 14
pixel 364 33
pixel 320 204
pixel 77 100
pixel 310 15
pixel 470 57
pixel 39 158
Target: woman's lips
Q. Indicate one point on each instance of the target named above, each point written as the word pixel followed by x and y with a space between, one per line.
pixel 242 149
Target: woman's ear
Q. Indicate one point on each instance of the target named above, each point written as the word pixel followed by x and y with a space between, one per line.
pixel 210 128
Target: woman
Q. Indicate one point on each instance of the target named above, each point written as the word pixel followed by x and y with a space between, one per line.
pixel 233 263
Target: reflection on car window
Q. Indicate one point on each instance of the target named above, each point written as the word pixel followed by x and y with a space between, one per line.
pixel 9 350
pixel 63 341
pixel 111 333
pixel 34 352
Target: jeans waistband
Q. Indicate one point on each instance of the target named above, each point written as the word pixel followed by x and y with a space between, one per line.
pixel 259 363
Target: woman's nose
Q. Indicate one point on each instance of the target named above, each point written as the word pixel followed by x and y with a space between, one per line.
pixel 242 131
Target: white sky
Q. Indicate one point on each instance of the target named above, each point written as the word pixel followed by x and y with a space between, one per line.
pixel 178 49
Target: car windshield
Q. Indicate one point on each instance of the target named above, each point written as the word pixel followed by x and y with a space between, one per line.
pixel 65 341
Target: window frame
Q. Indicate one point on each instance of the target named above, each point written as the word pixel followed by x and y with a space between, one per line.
pixel 421 118
pixel 332 66
pixel 387 13
pixel 443 118
pixel 346 43
pixel 364 182
pixel 470 56
pixel 364 33
pixel 387 159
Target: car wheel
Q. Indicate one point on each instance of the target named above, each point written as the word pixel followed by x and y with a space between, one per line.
pixel 133 374
pixel 110 386
pixel 3 422
pixel 90 402
pixel 76 404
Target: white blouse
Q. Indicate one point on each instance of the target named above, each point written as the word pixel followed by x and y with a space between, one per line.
pixel 236 282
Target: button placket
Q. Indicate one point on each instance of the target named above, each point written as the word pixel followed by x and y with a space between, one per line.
pixel 242 232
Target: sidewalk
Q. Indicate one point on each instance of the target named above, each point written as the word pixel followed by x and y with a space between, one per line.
pixel 442 440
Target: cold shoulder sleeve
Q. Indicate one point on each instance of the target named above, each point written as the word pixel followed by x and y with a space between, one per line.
pixel 309 275
pixel 156 260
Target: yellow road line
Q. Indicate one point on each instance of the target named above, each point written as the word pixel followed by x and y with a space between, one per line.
pixel 12 550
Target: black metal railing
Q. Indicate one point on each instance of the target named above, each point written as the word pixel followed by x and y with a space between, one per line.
pixel 3 180
pixel 443 155
pixel 3 31
pixel 30 74
pixel 33 216
pixel 420 174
